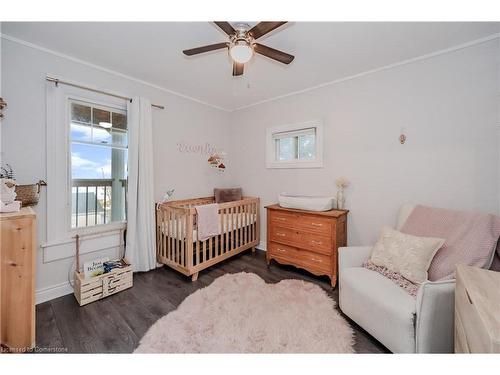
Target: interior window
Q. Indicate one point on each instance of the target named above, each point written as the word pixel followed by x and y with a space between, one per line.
pixel 98 138
pixel 295 145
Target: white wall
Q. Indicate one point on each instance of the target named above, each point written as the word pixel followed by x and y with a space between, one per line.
pixel 24 138
pixel 448 105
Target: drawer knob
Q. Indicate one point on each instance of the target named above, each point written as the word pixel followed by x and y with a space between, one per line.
pixel 281 250
pixel 316 242
pixel 316 260
pixel 281 234
pixel 316 224
pixel 281 219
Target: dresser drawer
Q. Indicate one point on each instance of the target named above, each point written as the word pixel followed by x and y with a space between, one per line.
pixel 316 263
pixel 284 235
pixel 315 243
pixel 316 224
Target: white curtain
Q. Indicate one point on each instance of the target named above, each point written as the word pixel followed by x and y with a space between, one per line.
pixel 140 248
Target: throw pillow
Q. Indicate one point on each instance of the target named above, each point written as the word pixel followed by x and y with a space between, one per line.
pixel 408 255
pixel 227 195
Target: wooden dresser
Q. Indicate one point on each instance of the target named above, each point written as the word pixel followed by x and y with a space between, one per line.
pixel 17 254
pixel 306 239
pixel 477 310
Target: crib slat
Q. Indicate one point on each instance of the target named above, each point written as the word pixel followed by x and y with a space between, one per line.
pixel 226 230
pixel 204 251
pixel 163 232
pixel 197 251
pixel 245 223
pixel 241 228
pixel 183 238
pixel 218 238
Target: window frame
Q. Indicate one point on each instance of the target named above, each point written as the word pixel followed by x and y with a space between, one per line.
pixel 271 149
pixel 59 232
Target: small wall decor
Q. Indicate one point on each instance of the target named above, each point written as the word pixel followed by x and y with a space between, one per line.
pixel 202 149
pixel 3 104
pixel 341 183
pixel 216 161
pixel 402 137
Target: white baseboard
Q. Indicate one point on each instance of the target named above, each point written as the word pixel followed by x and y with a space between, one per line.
pixel 51 292
pixel 261 246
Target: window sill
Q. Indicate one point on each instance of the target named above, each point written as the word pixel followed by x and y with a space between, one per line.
pixel 294 164
pixel 94 239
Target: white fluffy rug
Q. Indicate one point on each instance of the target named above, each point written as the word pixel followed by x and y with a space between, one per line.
pixel 240 313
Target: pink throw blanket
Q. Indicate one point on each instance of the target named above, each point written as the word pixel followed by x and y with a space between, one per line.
pixel 208 221
pixel 471 238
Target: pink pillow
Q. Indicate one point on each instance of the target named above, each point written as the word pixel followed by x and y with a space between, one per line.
pixel 227 195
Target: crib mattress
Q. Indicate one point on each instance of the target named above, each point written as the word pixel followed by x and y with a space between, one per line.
pixel 228 224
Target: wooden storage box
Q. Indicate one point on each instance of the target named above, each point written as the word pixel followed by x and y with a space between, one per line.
pixel 98 287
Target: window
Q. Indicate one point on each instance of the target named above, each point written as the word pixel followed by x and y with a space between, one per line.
pixel 295 146
pixel 98 142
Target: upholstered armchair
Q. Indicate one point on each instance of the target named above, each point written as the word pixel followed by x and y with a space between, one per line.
pixel 402 323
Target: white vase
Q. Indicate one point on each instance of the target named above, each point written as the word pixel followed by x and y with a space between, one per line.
pixel 340 199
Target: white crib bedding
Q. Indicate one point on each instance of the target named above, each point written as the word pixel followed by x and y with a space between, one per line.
pixel 230 222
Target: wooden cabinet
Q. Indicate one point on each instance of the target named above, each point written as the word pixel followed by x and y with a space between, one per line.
pixel 17 268
pixel 477 310
pixel 306 239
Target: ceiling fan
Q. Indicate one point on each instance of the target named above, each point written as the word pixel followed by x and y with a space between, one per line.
pixel 242 44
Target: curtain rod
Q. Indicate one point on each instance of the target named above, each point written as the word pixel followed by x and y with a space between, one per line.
pixel 58 81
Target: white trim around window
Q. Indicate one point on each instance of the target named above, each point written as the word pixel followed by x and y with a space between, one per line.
pixel 294 130
pixel 59 230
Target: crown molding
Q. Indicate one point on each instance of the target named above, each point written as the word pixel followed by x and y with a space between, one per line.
pixel 107 70
pixel 376 70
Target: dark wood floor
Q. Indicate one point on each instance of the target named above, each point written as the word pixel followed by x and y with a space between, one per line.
pixel 117 323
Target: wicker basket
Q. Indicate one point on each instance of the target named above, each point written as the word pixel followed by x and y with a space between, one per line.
pixel 29 194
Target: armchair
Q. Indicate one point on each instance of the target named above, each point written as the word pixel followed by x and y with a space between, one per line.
pixel 399 321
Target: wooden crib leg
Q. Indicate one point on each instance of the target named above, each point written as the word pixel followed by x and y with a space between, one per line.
pixel 194 277
pixel 253 249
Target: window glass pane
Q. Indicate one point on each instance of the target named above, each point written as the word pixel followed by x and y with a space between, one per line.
pixel 99 178
pixel 101 135
pixel 81 132
pixel 80 113
pixel 286 148
pixel 307 147
pixel 100 115
pixel 98 167
pixel 119 121
pixel 119 137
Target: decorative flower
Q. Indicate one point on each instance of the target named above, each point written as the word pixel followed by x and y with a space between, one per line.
pixel 342 182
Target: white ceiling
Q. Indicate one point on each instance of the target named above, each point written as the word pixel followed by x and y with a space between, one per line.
pixel 323 52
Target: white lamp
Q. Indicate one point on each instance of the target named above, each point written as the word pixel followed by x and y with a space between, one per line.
pixel 105 125
pixel 241 51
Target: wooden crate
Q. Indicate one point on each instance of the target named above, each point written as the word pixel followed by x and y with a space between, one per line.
pixel 98 287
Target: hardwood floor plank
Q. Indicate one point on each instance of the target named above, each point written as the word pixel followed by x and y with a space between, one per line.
pixel 47 333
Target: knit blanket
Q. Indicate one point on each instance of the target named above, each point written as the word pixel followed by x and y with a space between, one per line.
pixel 471 238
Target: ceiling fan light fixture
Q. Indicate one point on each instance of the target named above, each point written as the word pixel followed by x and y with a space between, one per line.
pixel 241 51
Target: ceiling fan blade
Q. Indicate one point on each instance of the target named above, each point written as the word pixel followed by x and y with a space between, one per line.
pixel 238 68
pixel 226 27
pixel 262 28
pixel 211 47
pixel 274 54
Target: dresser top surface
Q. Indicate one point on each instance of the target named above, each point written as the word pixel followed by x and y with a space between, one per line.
pixel 331 213
pixel 24 212
pixel 483 289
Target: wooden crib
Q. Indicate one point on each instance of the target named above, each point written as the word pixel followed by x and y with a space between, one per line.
pixel 177 243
